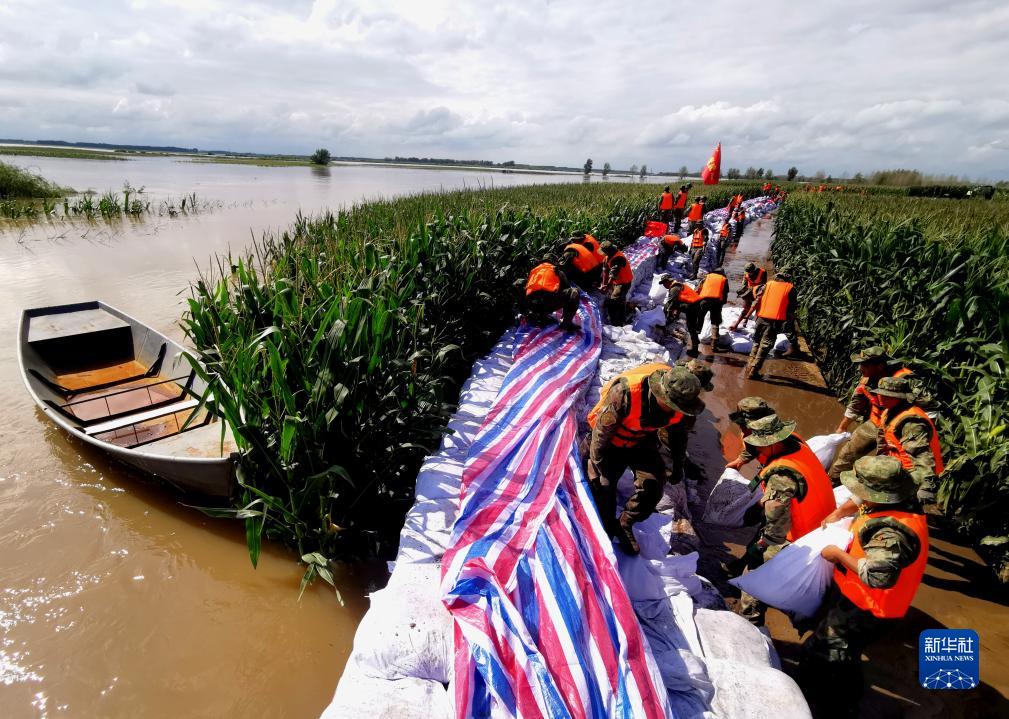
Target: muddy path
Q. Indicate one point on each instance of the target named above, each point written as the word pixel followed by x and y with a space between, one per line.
pixel 957 591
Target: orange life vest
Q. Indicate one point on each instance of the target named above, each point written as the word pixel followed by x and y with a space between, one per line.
pixel 892 602
pixel 773 303
pixel 759 280
pixel 713 286
pixel 895 449
pixel 697 240
pixel 696 212
pixel 818 500
pixel 681 199
pixel 666 201
pixel 672 241
pixel 624 274
pixel 630 431
pixel 585 259
pixel 543 278
pixel 875 406
pixel 724 232
pixel 593 244
pixel 688 295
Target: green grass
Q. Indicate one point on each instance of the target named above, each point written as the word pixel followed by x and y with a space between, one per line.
pixel 69 152
pixel 17 183
pixel 929 280
pixel 336 349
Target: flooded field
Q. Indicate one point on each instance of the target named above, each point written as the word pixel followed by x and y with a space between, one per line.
pixel 116 600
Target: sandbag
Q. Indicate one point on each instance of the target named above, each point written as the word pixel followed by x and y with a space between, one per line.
pixel 841 494
pixel 796 578
pixel 647 320
pixel 729 500
pixel 746 692
pixel 407 632
pixel 726 635
pixel 427 530
pixel 825 446
pixel 361 695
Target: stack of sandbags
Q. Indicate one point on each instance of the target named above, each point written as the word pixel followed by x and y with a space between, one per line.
pixel 729 499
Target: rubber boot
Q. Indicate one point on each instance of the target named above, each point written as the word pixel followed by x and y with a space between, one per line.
pixel 625 535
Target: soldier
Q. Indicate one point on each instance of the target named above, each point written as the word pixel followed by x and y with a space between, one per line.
pixel 723 242
pixel 619 278
pixel 908 433
pixel 700 370
pixel 753 278
pixel 680 206
pixel 696 215
pixel 637 411
pixel 775 311
pixel 713 293
pixel 546 291
pixel 739 217
pixel 682 298
pixel 698 240
pixel 864 408
pixel 666 205
pixel 874 581
pixel 796 496
pixel 670 245
pixel 581 264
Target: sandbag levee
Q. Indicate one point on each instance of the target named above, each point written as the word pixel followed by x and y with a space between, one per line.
pixel 544 627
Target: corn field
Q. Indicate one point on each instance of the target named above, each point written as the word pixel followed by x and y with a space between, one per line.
pixel 336 350
pixel 929 280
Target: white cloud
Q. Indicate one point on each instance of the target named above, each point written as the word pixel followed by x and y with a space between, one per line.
pixel 843 87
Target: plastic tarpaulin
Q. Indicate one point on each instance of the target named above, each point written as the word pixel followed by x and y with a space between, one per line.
pixel 544 626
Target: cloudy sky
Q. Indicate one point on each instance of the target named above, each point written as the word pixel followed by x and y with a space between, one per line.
pixel 842 86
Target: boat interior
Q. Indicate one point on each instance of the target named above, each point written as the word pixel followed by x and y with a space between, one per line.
pixel 110 378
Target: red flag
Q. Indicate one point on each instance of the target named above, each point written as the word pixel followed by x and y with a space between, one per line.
pixel 713 170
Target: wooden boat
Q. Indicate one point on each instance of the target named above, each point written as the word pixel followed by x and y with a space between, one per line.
pixel 125 388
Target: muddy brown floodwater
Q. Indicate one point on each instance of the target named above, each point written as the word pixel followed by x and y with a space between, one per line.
pixel 116 600
pixel 957 590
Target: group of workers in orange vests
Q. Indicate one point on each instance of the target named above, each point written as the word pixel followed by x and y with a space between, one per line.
pixel 643 416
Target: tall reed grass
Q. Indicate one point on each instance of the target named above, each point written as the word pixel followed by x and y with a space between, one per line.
pixel 929 280
pixel 335 350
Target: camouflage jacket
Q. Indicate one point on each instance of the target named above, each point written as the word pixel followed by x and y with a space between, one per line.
pixel 889 548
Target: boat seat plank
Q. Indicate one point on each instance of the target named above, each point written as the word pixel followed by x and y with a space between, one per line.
pixel 102 376
pixel 70 324
pixel 203 441
pixel 140 417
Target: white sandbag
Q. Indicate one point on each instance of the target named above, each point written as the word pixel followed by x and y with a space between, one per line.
pixel 742 342
pixel 744 692
pixel 825 446
pixel 729 500
pixel 841 495
pixel 796 578
pixel 657 293
pixel 427 530
pixel 781 344
pixel 726 635
pixel 361 695
pixel 407 632
pixel 440 477
pixel 647 320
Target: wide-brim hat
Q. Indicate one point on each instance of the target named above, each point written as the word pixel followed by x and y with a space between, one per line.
pixel 700 370
pixel 899 394
pixel 769 430
pixel 678 389
pixel 871 354
pixel 749 409
pixel 879 479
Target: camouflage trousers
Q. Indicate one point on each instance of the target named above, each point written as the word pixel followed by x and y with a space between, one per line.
pixel 615 304
pixel 861 444
pixel 831 666
pixel 696 255
pixel 765 333
pixel 750 608
pixel 540 306
pixel 645 461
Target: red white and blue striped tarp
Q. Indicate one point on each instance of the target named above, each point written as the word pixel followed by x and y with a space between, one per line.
pixel 544 626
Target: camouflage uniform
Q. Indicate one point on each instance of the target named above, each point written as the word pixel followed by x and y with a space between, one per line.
pixel 691 312
pixel 831 666
pixel 914 435
pixel 540 305
pixel 781 486
pixel 607 462
pixel 864 437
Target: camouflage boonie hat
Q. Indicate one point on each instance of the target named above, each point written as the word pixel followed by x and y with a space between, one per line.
pixel 700 370
pixel 678 389
pixel 879 479
pixel 769 430
pixel 666 278
pixel 895 387
pixel 606 246
pixel 749 409
pixel 749 267
pixel 874 353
